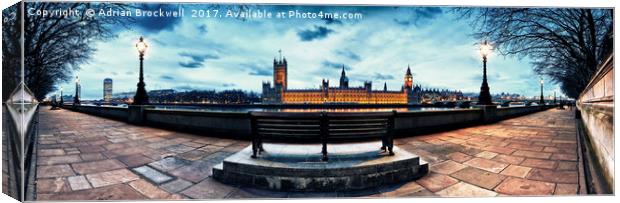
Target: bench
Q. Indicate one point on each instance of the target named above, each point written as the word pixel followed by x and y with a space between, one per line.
pixel 321 127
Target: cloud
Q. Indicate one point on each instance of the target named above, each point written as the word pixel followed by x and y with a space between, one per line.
pixel 156 24
pixel 319 32
pixel 419 16
pixel 330 21
pixel 380 76
pixel 349 54
pixel 202 29
pixel 166 77
pixel 334 65
pixel 228 85
pixel 257 70
pixel 196 60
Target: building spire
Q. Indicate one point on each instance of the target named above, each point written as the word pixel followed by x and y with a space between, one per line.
pixel 343 73
pixel 385 86
pixel 408 70
pixel 280 52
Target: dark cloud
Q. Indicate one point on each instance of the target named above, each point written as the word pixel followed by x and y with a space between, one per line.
pixel 332 21
pixel 257 70
pixel 196 60
pixel 334 65
pixel 129 73
pixel 349 54
pixel 203 29
pixel 156 24
pixel 228 85
pixel 114 73
pixel 318 32
pixel 419 16
pixel 166 77
pixel 184 88
pixel 192 64
pixel 380 76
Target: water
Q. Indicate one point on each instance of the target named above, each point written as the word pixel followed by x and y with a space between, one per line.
pixel 293 109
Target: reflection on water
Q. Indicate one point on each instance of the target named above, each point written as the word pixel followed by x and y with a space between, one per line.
pixel 365 109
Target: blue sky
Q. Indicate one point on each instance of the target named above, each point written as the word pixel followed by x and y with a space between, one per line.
pixel 230 53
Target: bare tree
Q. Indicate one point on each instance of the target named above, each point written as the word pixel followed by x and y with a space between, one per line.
pixel 54 46
pixel 566 44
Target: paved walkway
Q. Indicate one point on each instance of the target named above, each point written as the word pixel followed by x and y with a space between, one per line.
pixel 83 157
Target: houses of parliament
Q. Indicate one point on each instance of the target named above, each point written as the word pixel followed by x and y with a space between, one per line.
pixel 279 93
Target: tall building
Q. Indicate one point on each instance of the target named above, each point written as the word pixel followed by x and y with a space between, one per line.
pixel 107 90
pixel 280 93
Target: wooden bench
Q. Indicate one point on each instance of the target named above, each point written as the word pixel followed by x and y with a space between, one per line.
pixel 321 127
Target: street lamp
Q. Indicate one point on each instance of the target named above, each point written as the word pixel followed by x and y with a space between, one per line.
pixel 542 98
pixel 485 95
pixel 76 98
pixel 141 97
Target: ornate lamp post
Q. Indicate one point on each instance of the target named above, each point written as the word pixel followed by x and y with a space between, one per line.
pixel 485 95
pixel 76 98
pixel 141 97
pixel 542 97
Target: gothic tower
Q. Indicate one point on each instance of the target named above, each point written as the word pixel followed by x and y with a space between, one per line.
pixel 280 73
pixel 344 80
pixel 408 87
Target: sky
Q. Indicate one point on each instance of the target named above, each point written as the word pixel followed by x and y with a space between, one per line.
pixel 237 53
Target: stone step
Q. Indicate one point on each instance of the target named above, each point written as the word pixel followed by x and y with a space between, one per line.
pixel 343 173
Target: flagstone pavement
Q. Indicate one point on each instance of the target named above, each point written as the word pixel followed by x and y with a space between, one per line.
pixel 83 157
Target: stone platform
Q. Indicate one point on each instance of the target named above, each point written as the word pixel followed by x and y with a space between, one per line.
pixel 295 167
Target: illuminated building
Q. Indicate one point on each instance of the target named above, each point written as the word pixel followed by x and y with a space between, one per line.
pixel 279 93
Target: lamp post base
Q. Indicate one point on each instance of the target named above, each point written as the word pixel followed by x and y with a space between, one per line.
pixel 137 113
pixel 489 113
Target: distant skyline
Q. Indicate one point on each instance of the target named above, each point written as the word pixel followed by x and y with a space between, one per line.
pixel 207 53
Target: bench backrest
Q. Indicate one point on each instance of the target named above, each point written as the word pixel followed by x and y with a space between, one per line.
pixel 310 126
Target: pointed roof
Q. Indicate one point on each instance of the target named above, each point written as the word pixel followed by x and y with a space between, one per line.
pixel 408 70
pixel 343 72
pixel 385 86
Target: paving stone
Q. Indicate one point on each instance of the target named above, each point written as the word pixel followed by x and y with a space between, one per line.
pixel 447 167
pixel 567 166
pixel 53 160
pixel 92 156
pixel 486 155
pixel 152 174
pixel 193 155
pixel 516 171
pixel 436 182
pixel 179 148
pixel 196 172
pixel 553 176
pixel 111 177
pixel 168 164
pixel 50 152
pixel 404 190
pixel 148 190
pixel 508 159
pixel 462 189
pixel 115 192
pixel 500 150
pixel 518 186
pixel 176 185
pixel 54 171
pixel 539 163
pixel 208 189
pixel 564 157
pixel 134 160
pixel 485 164
pixel 566 189
pixel 459 157
pixel 78 183
pixel 479 177
pixel 532 154
pixel 97 166
pixel 91 149
pixel 52 185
